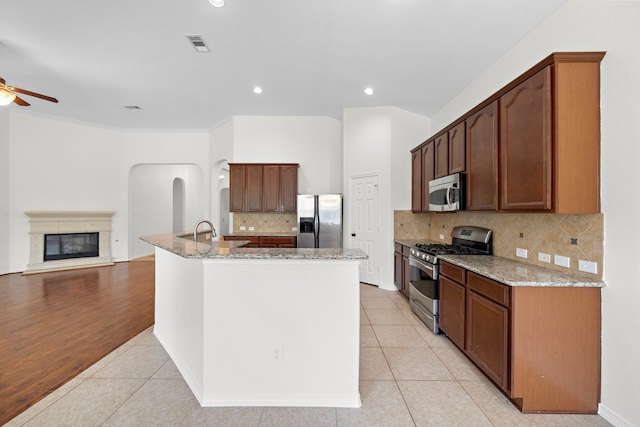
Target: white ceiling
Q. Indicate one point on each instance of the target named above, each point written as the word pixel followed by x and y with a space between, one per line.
pixel 311 57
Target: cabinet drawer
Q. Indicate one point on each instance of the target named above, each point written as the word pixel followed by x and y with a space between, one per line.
pixel 277 242
pixel 453 272
pixel 491 289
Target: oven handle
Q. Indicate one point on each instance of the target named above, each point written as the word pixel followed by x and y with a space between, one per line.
pixel 421 265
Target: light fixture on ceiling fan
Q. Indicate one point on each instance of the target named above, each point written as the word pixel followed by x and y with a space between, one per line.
pixel 217 3
pixel 8 95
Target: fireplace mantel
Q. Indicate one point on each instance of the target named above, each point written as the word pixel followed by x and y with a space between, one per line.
pixel 61 222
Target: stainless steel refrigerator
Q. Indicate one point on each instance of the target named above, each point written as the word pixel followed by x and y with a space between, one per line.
pixel 320 221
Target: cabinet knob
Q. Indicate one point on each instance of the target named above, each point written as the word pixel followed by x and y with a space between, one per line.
pixel 353 234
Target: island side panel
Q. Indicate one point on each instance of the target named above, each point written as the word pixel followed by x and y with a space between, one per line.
pixel 282 332
pixel 179 314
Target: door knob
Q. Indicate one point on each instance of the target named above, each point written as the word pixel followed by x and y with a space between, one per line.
pixel 353 234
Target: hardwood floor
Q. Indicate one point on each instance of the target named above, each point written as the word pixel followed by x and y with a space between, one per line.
pixel 55 325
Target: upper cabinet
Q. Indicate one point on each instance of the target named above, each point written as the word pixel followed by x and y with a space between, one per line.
pixel 263 187
pixel 525 144
pixel 457 150
pixel 535 144
pixel 482 159
pixel 442 155
pixel 416 180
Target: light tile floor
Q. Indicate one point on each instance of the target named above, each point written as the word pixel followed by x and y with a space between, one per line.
pixel 409 377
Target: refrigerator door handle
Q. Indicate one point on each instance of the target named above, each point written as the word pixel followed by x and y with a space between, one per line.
pixel 316 218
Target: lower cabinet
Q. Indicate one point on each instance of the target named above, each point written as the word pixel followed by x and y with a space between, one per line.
pixel 539 344
pixel 266 241
pixel 401 274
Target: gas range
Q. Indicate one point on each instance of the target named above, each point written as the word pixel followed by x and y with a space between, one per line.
pixel 466 240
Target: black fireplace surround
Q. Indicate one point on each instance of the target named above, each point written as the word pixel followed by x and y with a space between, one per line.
pixel 71 245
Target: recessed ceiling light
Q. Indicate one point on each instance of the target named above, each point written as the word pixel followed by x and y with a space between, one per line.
pixel 217 3
pixel 257 89
pixel 368 91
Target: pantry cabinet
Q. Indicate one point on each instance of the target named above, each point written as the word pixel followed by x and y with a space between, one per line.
pixel 263 187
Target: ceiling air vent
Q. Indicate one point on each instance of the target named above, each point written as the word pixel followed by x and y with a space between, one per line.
pixel 132 107
pixel 198 44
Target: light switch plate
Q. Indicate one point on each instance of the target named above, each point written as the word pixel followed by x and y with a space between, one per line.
pixel 588 266
pixel 562 261
pixel 544 257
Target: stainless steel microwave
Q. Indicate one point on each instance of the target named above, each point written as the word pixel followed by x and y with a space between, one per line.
pixel 447 193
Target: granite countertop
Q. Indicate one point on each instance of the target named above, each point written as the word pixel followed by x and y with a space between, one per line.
pixel 263 233
pixel 515 273
pixel 219 249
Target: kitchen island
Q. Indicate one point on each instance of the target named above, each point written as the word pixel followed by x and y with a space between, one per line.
pixel 260 327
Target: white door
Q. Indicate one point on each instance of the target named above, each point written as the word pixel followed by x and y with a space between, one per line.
pixel 365 225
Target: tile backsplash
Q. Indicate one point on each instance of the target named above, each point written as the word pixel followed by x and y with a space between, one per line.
pixel 267 222
pixel 579 237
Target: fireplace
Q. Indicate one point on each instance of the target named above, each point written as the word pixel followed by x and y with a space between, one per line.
pixel 70 245
pixel 64 240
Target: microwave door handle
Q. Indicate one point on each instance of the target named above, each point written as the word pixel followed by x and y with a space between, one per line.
pixel 449 196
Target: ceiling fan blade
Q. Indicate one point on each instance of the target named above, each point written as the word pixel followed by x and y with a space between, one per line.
pixel 21 101
pixel 37 95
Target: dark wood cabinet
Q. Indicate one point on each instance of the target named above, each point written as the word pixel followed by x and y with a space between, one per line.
pixel 457 149
pixel 266 241
pixel 237 185
pixel 253 189
pixel 534 145
pixel 416 180
pixel 482 159
pixel 428 172
pixel 258 187
pixel 487 327
pixel 401 268
pixel 539 344
pixel 452 310
pixel 441 148
pixel 525 144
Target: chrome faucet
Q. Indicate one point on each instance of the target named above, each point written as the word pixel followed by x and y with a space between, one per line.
pixel 195 230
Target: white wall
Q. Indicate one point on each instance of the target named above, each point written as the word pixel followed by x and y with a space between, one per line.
pixel 4 190
pixel 313 142
pixel 221 153
pixel 610 26
pixel 378 140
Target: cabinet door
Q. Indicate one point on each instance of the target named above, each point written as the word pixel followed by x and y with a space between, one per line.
pixel 237 186
pixel 416 181
pixel 397 270
pixel 452 311
pixel 525 144
pixel 271 188
pixel 277 242
pixel 405 276
pixel 442 155
pixel 428 172
pixel 254 188
pixel 488 337
pixel 288 188
pixel 482 159
pixel 457 153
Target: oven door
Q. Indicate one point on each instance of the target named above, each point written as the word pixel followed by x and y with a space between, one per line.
pixel 423 292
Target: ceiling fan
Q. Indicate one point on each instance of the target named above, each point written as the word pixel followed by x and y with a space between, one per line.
pixel 8 94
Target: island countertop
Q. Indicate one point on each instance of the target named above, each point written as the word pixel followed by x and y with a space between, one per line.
pixel 182 244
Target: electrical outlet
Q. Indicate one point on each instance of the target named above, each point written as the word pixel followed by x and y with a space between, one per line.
pixel 442 237
pixel 294 228
pixel 242 228
pixel 522 253
pixel 251 228
pixel 276 354
pixel 562 261
pixel 588 266
pixel 544 257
